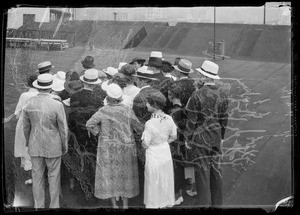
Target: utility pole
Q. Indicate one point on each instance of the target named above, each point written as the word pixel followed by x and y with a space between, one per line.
pixel 214 32
pixel 264 13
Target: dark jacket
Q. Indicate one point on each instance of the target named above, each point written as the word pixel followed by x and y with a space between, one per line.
pixel 187 86
pixel 207 116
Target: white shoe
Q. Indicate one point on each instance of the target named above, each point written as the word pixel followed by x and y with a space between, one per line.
pixel 191 193
pixel 29 181
pixel 179 201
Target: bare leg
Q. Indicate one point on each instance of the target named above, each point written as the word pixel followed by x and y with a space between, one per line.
pixel 125 203
pixel 114 202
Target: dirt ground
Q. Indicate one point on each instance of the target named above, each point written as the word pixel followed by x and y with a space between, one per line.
pixel 257 145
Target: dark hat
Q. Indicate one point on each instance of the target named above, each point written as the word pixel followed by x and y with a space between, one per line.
pixel 30 79
pixel 88 62
pixel 157 99
pixel 137 59
pixel 167 66
pixel 127 70
pixel 155 59
pixel 73 86
pixel 177 60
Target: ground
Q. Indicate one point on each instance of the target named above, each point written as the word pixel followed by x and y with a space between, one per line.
pixel 257 146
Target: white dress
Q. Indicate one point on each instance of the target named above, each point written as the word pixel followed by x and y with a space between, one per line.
pixel 159 175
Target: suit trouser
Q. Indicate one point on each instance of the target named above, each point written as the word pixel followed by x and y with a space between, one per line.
pixel 38 180
pixel 209 179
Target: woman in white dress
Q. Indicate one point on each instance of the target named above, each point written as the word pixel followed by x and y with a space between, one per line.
pixel 159 131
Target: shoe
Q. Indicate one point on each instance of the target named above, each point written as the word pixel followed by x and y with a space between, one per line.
pixel 29 181
pixel 191 193
pixel 179 201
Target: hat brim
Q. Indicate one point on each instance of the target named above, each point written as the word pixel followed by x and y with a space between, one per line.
pixel 35 84
pixel 176 67
pixel 95 82
pixel 208 75
pixel 144 77
pixel 44 70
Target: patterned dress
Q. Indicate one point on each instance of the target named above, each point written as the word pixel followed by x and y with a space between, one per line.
pixel 116 169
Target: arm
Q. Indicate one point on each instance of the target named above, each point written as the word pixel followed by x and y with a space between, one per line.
pixel 192 108
pixel 223 114
pixel 63 127
pixel 92 124
pixel 24 119
pixel 146 136
pixel 173 133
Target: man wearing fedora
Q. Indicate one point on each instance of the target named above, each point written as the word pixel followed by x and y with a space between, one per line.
pixel 44 67
pixel 182 71
pixel 207 116
pixel 46 132
pixel 155 63
pixel 87 63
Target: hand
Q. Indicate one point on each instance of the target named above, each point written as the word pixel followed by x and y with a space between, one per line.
pixel 187 145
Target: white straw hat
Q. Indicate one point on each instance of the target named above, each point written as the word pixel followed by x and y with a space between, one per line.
pixel 90 77
pixel 110 70
pixel 44 81
pixel 60 75
pixel 114 91
pixel 209 69
pixel 46 65
pixel 121 64
pixel 184 66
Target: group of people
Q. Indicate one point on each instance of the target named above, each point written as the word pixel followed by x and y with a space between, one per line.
pixel 145 127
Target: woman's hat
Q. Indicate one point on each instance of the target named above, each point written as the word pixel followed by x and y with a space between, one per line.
pixel 110 70
pixel 114 91
pixel 184 66
pixel 143 72
pixel 121 64
pixel 155 59
pixel 127 70
pixel 44 66
pixel 137 59
pixel 157 99
pixel 58 85
pixel 167 66
pixel 90 77
pixel 209 69
pixel 88 62
pixel 60 75
pixel 73 86
pixel 44 81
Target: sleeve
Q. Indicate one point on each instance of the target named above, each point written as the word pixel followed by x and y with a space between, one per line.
pixel 223 114
pixel 146 136
pixel 173 132
pixel 192 108
pixel 26 125
pixel 92 124
pixel 137 127
pixel 63 127
pixel 20 105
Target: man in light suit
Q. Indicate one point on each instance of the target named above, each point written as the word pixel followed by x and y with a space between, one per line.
pixel 46 133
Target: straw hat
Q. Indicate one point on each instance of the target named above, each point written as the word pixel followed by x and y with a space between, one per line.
pixel 110 70
pixel 209 69
pixel 44 66
pixel 143 72
pixel 90 77
pixel 44 81
pixel 60 75
pixel 184 66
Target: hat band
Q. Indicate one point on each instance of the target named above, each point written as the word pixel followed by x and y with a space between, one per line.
pixel 90 80
pixel 183 69
pixel 208 72
pixel 45 68
pixel 44 84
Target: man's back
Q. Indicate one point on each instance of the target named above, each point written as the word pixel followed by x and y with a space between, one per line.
pixel 45 126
